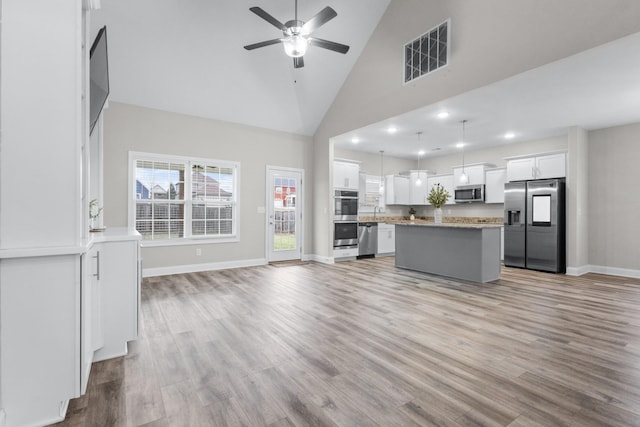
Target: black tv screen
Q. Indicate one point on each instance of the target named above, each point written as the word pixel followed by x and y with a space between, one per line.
pixel 99 76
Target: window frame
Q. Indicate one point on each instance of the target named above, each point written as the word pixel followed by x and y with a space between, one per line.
pixel 189 162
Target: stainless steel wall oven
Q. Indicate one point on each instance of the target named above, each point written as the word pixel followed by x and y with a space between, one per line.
pixel 345 234
pixel 345 205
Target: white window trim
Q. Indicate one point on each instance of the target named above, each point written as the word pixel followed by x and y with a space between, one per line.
pixel 188 240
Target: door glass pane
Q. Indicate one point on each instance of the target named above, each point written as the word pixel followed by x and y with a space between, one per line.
pixel 284 214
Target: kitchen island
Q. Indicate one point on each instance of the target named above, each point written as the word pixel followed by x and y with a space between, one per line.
pixel 461 251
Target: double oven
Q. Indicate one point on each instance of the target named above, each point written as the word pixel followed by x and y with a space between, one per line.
pixel 345 219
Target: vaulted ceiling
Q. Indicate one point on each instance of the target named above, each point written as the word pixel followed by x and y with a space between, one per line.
pixel 188 57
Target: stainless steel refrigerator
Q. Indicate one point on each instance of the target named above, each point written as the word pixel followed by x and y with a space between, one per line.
pixel 534 225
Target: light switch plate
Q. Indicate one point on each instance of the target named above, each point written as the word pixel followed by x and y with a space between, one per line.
pixel 261 209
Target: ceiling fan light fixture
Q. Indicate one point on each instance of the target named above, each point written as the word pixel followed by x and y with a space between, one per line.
pixel 295 46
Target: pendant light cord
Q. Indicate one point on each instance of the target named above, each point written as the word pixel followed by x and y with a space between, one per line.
pixel 463 122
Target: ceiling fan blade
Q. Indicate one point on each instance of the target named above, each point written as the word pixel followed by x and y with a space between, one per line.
pixel 262 44
pixel 270 19
pixel 326 44
pixel 298 62
pixel 321 18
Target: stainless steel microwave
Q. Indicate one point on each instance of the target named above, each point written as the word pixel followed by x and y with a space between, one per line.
pixel 469 193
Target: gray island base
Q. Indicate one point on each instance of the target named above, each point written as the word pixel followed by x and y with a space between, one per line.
pixel 461 251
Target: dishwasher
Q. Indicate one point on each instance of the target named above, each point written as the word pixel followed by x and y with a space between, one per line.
pixel 367 239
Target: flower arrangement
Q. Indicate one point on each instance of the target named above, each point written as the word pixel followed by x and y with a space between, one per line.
pixel 412 211
pixel 438 196
pixel 94 210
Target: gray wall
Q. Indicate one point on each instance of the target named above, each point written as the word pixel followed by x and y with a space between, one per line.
pixel 490 41
pixel 130 128
pixel 614 174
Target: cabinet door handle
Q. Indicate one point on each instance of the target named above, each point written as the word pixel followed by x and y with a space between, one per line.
pixel 97 257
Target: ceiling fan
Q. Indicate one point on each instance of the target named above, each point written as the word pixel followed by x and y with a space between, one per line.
pixel 296 34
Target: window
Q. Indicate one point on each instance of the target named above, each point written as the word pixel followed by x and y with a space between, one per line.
pixel 182 198
pixel 427 53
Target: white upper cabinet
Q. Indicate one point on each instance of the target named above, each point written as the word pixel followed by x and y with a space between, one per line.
pixel 446 181
pixel 396 190
pixel 551 166
pixel 346 175
pixel 537 167
pixel 475 173
pixel 494 185
pixel 418 188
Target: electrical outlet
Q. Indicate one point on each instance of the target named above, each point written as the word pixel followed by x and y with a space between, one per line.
pixel 198 252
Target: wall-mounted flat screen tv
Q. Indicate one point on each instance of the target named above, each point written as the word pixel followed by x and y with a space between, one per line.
pixel 99 76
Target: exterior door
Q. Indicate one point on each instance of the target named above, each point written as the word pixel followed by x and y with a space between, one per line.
pixel 284 213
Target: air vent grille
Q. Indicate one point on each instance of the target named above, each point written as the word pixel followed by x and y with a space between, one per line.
pixel 427 53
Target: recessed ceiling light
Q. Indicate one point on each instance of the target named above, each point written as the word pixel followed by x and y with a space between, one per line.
pixel 459 145
pixel 443 115
pixel 509 135
pixel 392 129
pixel 421 153
pixel 355 140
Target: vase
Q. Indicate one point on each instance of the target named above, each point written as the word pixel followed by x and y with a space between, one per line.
pixel 412 217
pixel 437 215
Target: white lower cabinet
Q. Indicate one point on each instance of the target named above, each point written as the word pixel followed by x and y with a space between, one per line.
pixel 386 239
pixel 119 284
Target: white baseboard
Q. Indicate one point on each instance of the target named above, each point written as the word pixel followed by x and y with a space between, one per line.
pixel 615 271
pixel 612 271
pixel 195 268
pixel 578 271
pixel 318 258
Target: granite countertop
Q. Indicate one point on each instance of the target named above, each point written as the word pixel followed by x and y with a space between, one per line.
pixel 449 224
pixel 468 222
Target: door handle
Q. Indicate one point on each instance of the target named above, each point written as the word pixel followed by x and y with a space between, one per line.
pixel 97 257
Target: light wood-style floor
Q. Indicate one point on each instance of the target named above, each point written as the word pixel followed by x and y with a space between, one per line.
pixel 362 343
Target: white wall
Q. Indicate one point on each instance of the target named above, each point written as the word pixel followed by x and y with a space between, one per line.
pixel 490 41
pixel 614 174
pixel 130 128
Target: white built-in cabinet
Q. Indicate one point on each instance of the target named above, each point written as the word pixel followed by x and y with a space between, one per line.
pixel 446 181
pixel 386 239
pixel 54 311
pixel 346 175
pixel 396 189
pixel 542 166
pixel 494 185
pixel 110 296
pixel 119 277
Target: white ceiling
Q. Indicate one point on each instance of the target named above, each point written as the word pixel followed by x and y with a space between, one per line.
pixel 188 57
pixel 595 89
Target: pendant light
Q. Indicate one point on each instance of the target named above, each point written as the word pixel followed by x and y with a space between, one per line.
pixel 381 173
pixel 419 180
pixel 464 178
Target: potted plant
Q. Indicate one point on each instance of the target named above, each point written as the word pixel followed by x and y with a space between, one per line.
pixel 437 197
pixel 412 213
